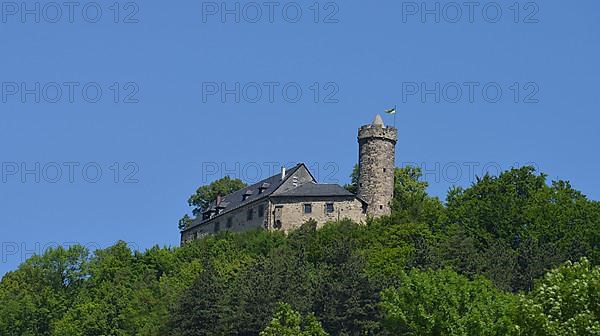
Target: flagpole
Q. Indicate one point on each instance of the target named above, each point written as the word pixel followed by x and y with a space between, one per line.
pixel 395 111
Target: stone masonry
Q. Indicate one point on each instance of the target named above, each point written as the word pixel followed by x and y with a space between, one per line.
pixel 376 163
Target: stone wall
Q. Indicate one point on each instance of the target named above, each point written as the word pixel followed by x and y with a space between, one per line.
pixel 376 161
pixel 288 210
pixel 291 211
pixel 234 221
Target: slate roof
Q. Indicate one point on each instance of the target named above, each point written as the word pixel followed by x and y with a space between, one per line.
pixel 235 199
pixel 316 190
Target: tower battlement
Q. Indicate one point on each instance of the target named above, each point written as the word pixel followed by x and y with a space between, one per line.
pixel 376 131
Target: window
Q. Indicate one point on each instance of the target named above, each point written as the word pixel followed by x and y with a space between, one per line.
pixel 307 208
pixel 229 222
pixel 263 187
pixel 380 206
pixel 277 224
pixel 217 227
pixel 384 170
pixel 329 208
pixel 250 214
pixel 261 210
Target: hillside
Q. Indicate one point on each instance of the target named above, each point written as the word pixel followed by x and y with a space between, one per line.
pixel 513 254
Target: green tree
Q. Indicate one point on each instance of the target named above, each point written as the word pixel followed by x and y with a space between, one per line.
pixel 346 298
pixel 533 225
pixel 287 322
pixel 208 193
pixel 118 298
pixel 565 302
pixel 409 191
pixel 185 222
pixel 391 247
pixel 203 309
pixel 411 203
pixel 353 185
pixel 445 303
pixel 42 290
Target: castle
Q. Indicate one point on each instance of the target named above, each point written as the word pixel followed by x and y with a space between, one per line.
pixel 289 199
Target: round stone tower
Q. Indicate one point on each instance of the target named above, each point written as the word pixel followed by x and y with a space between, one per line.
pixel 376 163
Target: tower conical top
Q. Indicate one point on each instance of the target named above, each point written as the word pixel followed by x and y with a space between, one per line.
pixel 378 121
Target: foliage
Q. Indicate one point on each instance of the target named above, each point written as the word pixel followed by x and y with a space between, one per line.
pixel 420 271
pixel 517 215
pixel 208 193
pixel 185 222
pixel 565 302
pixel 41 291
pixel 444 303
pixel 353 186
pixel 287 322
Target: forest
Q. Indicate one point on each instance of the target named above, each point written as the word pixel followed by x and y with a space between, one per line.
pixel 513 254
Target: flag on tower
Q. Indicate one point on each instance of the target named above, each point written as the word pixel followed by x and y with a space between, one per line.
pixel 391 111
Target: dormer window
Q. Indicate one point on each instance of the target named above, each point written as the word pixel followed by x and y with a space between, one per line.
pixel 246 194
pixel 208 213
pixel 263 187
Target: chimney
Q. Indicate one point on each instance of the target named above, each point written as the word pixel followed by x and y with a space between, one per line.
pixel 282 173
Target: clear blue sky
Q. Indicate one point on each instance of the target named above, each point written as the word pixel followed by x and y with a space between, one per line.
pixel 171 61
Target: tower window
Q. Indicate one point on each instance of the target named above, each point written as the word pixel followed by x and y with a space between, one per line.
pixel 384 170
pixel 329 208
pixel 307 208
pixel 380 206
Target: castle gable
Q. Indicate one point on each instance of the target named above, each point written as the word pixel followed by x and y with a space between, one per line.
pixel 297 176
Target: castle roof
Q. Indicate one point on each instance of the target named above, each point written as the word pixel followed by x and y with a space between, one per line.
pixel 316 190
pixel 239 198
